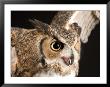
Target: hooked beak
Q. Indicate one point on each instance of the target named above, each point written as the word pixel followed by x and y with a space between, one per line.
pixel 68 60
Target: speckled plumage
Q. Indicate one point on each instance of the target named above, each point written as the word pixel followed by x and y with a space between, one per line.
pixel 28 51
pixel 32 51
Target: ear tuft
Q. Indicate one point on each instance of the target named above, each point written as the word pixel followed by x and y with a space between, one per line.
pixel 76 27
pixel 40 26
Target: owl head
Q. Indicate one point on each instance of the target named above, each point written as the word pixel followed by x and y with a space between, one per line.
pixel 60 49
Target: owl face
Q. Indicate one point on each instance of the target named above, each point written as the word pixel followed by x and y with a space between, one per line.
pixel 55 50
pixel 59 54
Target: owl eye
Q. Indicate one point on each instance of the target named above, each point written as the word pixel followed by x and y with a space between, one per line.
pixel 57 45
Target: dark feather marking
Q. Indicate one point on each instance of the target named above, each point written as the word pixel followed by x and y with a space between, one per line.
pixel 42 54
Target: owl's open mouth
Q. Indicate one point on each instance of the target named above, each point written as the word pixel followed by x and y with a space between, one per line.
pixel 68 60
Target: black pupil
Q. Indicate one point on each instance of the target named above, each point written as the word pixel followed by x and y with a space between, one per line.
pixel 58 45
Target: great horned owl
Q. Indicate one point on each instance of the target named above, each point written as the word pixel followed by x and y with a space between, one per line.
pixel 49 50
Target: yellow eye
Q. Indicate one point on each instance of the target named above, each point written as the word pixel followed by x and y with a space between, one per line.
pixel 57 45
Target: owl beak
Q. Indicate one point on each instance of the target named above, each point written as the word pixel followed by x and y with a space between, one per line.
pixel 68 60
